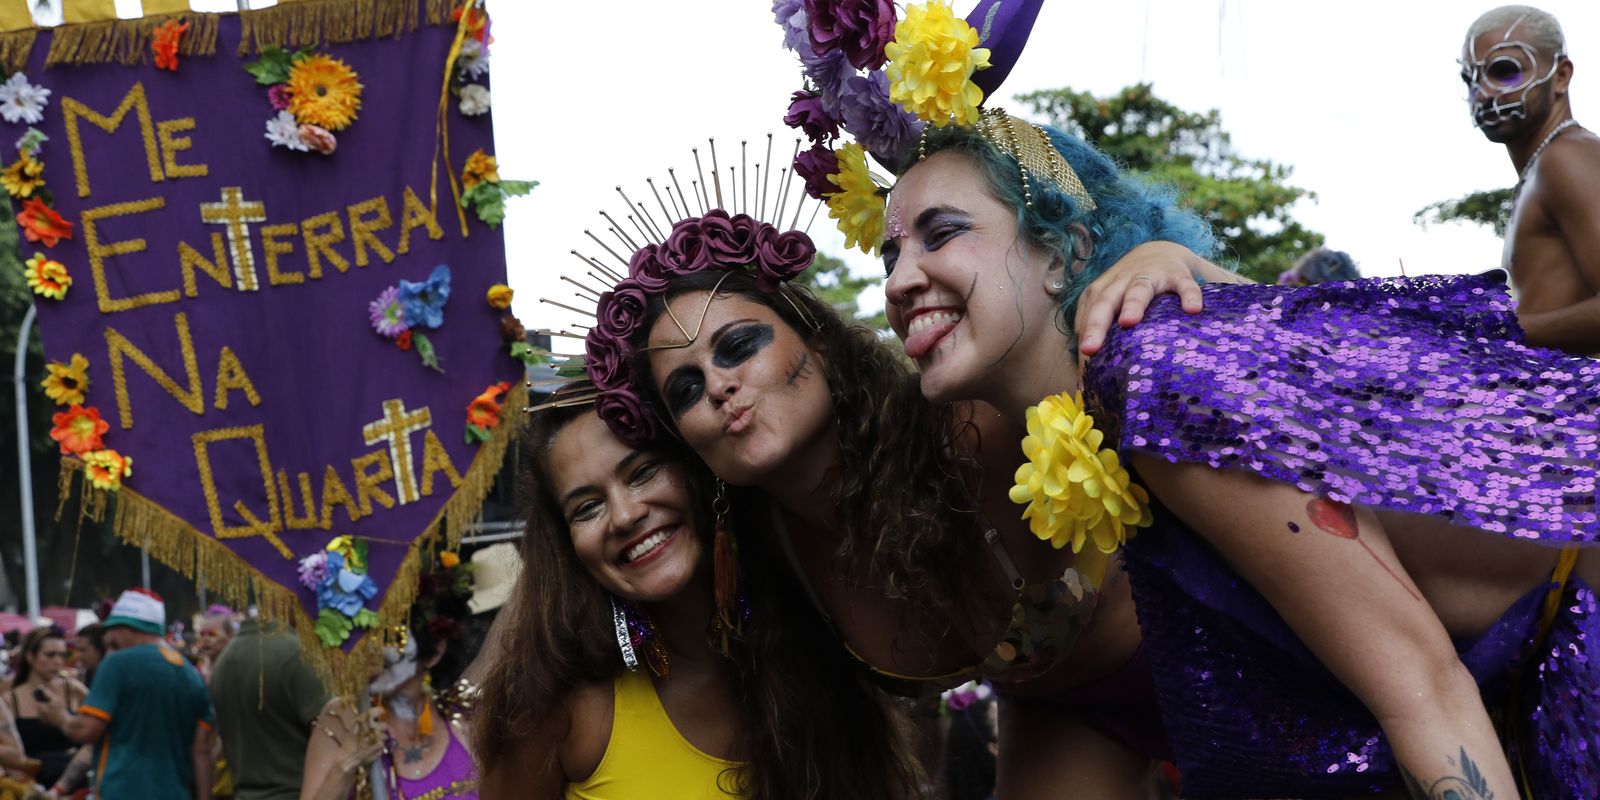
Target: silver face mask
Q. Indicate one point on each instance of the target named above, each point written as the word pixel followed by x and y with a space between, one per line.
pixel 399 666
pixel 1498 82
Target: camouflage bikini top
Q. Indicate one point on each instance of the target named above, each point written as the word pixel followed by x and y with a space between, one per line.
pixel 1046 620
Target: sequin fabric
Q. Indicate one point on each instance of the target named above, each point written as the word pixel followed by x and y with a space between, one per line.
pixel 1407 394
pixel 1411 395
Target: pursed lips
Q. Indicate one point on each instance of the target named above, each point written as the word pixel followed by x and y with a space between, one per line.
pixel 738 420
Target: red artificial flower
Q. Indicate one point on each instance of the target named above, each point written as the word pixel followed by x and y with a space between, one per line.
pixel 477 23
pixel 403 341
pixel 165 43
pixel 40 223
pixel 78 430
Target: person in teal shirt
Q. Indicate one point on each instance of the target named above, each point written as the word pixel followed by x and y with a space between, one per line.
pixel 148 712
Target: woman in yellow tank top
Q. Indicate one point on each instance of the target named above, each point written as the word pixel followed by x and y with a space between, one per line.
pixel 621 676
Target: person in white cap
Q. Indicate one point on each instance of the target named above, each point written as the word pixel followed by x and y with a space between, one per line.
pixel 148 712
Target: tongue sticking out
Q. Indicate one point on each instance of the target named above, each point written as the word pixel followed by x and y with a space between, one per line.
pixel 923 341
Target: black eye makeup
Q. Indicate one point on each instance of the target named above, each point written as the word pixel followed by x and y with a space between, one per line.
pixel 738 345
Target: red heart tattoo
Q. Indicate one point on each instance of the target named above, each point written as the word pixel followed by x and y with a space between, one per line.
pixel 1333 517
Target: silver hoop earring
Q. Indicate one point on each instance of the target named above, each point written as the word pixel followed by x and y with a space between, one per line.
pixel 1058 285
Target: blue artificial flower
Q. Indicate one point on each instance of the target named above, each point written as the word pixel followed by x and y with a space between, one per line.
pixel 344 590
pixel 423 303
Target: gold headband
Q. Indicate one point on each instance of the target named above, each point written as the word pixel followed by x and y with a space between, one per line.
pixel 1028 145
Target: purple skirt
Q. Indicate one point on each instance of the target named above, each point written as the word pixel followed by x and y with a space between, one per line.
pixel 1410 395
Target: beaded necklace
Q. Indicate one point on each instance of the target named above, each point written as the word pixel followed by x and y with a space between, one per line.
pixel 1522 177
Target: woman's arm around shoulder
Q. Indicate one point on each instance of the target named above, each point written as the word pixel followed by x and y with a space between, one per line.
pixel 1329 570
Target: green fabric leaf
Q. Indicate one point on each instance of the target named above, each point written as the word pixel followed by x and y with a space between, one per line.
pixel 365 619
pixel 480 193
pixel 477 435
pixel 332 627
pixel 360 547
pixel 424 348
pixel 516 188
pixel 273 66
pixel 492 211
pixel 528 354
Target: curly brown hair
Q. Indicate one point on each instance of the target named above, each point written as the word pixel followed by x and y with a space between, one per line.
pixel 905 483
pixel 813 726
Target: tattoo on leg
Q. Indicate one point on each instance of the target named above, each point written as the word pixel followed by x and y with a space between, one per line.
pixel 1339 519
pixel 801 369
pixel 1469 785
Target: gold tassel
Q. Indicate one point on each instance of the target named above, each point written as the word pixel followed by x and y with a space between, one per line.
pixel 127 41
pixel 313 23
pixel 15 47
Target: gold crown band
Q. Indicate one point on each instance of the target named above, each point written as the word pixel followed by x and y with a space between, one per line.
pixel 1028 145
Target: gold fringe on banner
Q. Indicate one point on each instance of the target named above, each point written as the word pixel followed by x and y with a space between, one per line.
pixel 311 23
pixel 171 540
pixel 127 41
pixel 15 47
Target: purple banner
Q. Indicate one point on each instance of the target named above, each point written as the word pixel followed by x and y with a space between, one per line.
pixel 221 291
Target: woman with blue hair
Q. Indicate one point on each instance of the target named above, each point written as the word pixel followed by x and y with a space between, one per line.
pixel 1319 617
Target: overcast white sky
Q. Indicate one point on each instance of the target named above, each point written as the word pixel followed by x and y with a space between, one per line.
pixel 1360 97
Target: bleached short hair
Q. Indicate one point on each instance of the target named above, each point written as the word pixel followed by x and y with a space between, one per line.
pixel 1536 27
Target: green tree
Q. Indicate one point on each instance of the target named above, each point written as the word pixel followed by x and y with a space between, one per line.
pixel 1492 208
pixel 830 280
pixel 1247 201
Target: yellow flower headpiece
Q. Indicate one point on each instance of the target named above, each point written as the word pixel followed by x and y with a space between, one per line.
pixel 1075 491
pixel 931 62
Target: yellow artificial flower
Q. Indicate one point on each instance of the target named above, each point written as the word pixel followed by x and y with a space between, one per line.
pixel 67 383
pixel 324 92
pixel 346 546
pixel 480 168
pixel 107 468
pixel 48 277
pixel 857 206
pixel 21 177
pixel 931 62
pixel 500 296
pixel 1075 491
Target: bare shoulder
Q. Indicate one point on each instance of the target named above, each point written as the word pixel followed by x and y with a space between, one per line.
pixel 1569 168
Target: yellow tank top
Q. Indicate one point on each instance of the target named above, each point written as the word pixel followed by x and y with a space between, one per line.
pixel 647 756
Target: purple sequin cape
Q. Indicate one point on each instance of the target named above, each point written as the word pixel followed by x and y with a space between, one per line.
pixel 1412 395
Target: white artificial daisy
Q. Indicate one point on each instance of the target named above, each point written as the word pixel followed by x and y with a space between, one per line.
pixel 21 101
pixel 473 60
pixel 474 100
pixel 284 131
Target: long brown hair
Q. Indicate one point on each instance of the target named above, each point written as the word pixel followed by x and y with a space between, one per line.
pixel 812 726
pixel 902 484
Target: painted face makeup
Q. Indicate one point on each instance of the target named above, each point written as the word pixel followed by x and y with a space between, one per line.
pixel 629 512
pixel 399 666
pixel 967 295
pixel 748 395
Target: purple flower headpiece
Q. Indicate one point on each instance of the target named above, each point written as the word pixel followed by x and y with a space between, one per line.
pixel 716 241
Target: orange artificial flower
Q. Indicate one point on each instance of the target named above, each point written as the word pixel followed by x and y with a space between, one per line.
pixel 40 223
pixel 449 560
pixel 484 410
pixel 165 43
pixel 78 430
pixel 480 168
pixel 477 22
pixel 107 468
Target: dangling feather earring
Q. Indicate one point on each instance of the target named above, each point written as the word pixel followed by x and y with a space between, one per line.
pixel 725 573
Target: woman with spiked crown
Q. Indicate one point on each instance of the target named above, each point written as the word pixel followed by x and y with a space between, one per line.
pixel 636 663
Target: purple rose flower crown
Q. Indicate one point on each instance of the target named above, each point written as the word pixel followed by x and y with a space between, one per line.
pixel 682 244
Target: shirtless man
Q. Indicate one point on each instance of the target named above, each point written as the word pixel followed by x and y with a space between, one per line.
pixel 1517 72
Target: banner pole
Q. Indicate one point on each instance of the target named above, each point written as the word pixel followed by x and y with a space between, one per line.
pixel 30 546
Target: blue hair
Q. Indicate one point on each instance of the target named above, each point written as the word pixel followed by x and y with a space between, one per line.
pixel 1129 211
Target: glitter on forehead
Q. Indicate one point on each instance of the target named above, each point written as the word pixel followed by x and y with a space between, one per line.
pixel 893 228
